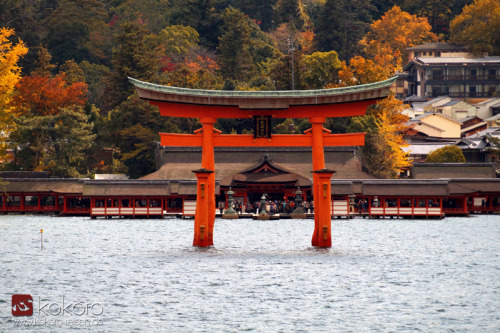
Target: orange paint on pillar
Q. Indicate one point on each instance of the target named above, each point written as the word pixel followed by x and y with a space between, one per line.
pixel 208 162
pixel 318 161
pixel 201 236
pixel 324 234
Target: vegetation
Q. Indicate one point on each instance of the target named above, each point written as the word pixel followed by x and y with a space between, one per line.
pixel 69 76
pixel 447 154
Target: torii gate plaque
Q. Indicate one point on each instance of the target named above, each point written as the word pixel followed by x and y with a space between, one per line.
pixel 316 105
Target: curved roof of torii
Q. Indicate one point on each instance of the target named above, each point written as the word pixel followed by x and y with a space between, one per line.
pixel 262 100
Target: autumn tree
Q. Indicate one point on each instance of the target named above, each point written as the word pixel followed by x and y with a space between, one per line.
pixel 10 74
pixel 387 38
pixel 447 154
pixel 44 95
pixel 384 127
pixel 478 27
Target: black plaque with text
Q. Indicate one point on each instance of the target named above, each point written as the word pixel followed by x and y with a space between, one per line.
pixel 262 127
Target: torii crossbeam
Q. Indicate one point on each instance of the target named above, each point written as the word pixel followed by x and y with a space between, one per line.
pixel 315 105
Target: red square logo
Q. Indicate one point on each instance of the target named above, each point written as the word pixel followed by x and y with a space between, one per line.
pixel 22 305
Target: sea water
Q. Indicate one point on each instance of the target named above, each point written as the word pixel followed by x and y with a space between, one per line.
pixel 380 275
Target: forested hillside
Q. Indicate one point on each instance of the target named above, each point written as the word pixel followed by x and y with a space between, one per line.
pixel 69 97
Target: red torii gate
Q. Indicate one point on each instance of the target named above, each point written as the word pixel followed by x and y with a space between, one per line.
pixel 208 105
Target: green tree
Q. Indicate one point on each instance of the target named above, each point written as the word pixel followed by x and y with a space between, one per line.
pixel 133 128
pixel 95 77
pixel 447 154
pixel 78 31
pixel 54 143
pixel 205 16
pixel 178 39
pixel 261 11
pixel 291 12
pixel 438 12
pixel 155 14
pixel 343 32
pixel 478 27
pixel 138 56
pixel 320 69
pixel 242 47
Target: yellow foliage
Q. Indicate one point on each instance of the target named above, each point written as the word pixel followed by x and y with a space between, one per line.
pixel 10 74
pixel 392 128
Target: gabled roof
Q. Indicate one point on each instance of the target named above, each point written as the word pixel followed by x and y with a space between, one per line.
pixel 266 172
pixel 453 102
pixel 423 148
pixel 437 46
pixel 435 100
pixel 495 101
pixel 456 60
pixel 428 114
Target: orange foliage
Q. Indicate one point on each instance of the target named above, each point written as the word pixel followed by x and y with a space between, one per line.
pixel 44 95
pixel 396 31
pixel 306 41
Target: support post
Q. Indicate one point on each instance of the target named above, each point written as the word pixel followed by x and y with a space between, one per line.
pixel 201 217
pixel 208 162
pixel 324 200
pixel 318 161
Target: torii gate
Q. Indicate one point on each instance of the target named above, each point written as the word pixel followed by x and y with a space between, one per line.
pixel 208 105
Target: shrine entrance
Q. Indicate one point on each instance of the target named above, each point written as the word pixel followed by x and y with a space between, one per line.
pixel 262 106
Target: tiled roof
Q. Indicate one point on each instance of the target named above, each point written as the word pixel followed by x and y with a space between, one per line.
pixel 437 46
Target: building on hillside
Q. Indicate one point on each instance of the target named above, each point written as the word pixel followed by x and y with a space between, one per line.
pixel 472 125
pixel 488 108
pixel 493 121
pixel 433 126
pixel 438 69
pixel 436 50
pixel 476 149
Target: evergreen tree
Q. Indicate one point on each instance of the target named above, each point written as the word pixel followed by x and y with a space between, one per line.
pixel 341 25
pixel 138 56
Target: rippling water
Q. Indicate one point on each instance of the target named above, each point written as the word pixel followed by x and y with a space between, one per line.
pixel 261 276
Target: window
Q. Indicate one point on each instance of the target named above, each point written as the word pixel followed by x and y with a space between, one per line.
pixel 436 91
pixel 437 74
pixel 492 73
pixel 472 91
pixel 437 54
pixel 473 74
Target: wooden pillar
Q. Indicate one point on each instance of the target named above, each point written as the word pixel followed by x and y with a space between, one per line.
pixel 324 200
pixel 201 217
pixel 208 163
pixel 318 162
